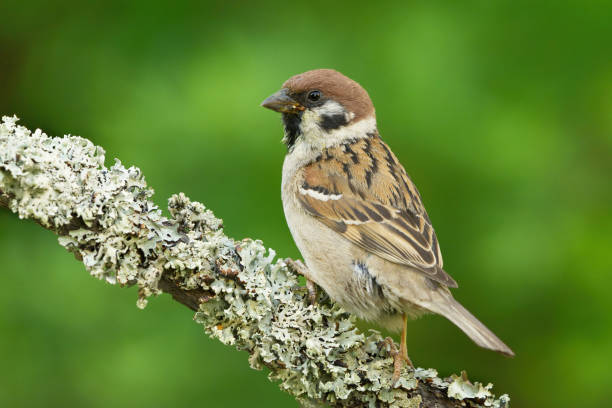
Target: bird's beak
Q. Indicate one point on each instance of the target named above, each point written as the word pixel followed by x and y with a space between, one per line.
pixel 282 102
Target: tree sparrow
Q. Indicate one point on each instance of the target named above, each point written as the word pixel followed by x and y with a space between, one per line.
pixel 355 215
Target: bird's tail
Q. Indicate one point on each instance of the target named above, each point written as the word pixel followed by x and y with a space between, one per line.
pixel 462 318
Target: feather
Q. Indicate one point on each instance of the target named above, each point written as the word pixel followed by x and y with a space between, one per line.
pixel 360 190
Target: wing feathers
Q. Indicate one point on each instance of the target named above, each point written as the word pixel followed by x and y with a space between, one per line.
pixel 375 206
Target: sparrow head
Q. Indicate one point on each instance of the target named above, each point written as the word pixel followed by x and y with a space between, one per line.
pixel 322 108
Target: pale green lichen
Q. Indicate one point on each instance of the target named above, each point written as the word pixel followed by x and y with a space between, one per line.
pixel 104 216
pixel 461 388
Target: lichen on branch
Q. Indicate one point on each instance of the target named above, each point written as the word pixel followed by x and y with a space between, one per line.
pixel 241 296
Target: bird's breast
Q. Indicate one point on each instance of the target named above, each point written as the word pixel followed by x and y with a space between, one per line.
pixel 338 266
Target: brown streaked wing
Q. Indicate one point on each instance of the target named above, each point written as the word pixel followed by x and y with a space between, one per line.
pixel 375 205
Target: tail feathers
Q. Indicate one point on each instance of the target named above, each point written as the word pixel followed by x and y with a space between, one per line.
pixel 470 325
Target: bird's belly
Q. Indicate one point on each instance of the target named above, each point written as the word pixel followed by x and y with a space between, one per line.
pixel 343 271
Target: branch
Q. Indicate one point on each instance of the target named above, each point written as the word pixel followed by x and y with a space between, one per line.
pixel 241 297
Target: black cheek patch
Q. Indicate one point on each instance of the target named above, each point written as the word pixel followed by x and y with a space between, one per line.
pixel 331 122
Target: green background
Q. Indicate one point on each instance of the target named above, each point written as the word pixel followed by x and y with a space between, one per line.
pixel 501 111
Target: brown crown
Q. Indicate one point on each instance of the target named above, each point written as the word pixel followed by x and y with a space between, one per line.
pixel 336 86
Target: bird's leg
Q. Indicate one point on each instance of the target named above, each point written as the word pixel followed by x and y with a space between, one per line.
pixel 399 356
pixel 403 348
pixel 299 267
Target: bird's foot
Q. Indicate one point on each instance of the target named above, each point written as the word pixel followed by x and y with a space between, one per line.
pixel 301 269
pixel 400 356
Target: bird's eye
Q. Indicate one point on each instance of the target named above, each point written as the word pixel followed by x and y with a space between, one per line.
pixel 314 96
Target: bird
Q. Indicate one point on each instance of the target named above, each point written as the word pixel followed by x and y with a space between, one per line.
pixel 355 215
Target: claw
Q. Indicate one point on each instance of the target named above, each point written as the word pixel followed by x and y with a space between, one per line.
pixel 398 359
pixel 399 356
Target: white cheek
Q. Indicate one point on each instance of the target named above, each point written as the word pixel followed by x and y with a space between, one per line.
pixel 331 108
pixel 311 120
pixel 314 138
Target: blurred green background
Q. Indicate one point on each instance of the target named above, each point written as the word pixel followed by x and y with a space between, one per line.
pixel 500 111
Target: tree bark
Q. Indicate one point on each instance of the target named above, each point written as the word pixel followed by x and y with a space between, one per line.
pixel 103 215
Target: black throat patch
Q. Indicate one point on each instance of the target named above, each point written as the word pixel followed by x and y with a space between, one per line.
pixel 291 121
